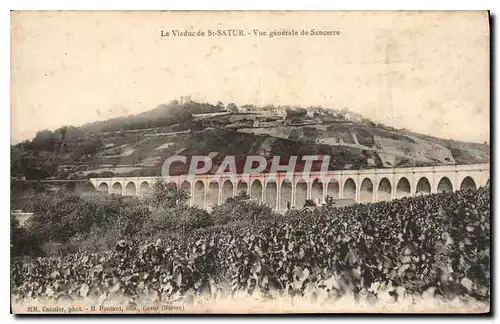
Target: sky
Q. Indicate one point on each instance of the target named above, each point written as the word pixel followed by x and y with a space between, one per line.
pixel 424 71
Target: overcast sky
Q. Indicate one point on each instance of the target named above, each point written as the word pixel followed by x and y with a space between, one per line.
pixel 428 72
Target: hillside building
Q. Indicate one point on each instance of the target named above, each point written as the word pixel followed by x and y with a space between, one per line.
pixel 185 100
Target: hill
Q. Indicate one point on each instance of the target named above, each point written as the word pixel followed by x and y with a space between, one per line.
pixel 137 145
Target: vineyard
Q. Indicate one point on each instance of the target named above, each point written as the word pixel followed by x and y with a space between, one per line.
pixel 434 248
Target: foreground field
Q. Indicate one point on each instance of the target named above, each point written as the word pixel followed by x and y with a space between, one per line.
pixel 421 254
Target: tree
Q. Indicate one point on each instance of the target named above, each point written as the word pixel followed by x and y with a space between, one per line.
pixel 270 108
pixel 51 220
pixel 296 113
pixel 242 210
pixel 232 108
pixel 43 141
pixel 92 175
pixel 98 211
pixel 101 221
pixel 174 221
pixel 17 235
pixel 132 216
pixel 248 107
pixel 165 196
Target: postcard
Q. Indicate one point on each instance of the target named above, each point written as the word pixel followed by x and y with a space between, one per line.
pixel 250 162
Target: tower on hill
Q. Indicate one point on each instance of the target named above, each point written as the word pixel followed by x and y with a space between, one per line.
pixel 185 100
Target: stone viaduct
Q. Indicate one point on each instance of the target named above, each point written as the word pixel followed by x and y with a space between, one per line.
pixel 281 192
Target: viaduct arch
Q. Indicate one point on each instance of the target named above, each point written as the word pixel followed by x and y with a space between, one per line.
pixel 384 189
pixel 281 192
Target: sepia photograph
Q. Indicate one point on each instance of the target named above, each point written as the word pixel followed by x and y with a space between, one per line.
pixel 250 162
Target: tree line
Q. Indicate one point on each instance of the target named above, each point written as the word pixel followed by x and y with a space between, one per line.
pixel 65 222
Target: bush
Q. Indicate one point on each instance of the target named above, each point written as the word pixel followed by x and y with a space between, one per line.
pixel 309 203
pixel 64 219
pixel 168 221
pixel 106 174
pixel 165 196
pixel 51 216
pixel 98 239
pixel 92 175
pixel 53 249
pixel 22 243
pixel 239 209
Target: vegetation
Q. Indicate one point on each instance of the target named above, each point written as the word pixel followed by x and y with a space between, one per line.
pixel 241 210
pixel 296 113
pixel 436 245
pixel 65 222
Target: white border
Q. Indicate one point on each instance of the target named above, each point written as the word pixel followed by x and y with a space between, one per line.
pixel 251 5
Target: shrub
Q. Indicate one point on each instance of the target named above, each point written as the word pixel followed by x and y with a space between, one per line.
pixel 92 175
pixel 106 174
pixel 239 209
pixel 179 219
pixel 165 196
